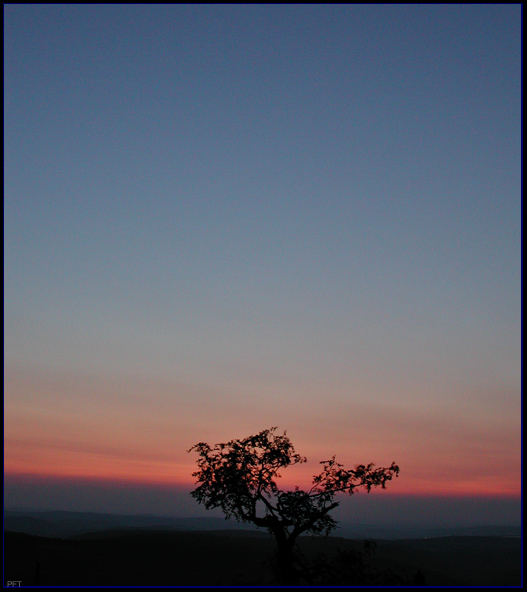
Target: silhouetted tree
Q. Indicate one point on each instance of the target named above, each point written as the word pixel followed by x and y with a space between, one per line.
pixel 240 478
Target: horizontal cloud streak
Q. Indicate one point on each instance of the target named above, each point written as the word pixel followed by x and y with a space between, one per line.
pixel 63 424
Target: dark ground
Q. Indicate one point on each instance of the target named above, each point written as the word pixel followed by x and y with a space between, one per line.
pixel 234 558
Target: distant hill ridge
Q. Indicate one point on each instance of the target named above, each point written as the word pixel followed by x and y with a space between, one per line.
pixel 59 523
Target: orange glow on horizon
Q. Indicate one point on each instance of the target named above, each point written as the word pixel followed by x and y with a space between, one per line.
pixel 181 477
pixel 67 439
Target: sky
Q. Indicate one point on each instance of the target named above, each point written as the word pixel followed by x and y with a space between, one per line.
pixel 222 218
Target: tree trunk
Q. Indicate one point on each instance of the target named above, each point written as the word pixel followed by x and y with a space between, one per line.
pixel 286 573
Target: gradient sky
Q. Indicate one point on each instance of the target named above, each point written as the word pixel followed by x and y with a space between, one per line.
pixel 224 218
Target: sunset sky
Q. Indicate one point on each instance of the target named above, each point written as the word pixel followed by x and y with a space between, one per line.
pixel 223 218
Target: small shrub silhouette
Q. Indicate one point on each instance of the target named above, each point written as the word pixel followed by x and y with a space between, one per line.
pixel 352 567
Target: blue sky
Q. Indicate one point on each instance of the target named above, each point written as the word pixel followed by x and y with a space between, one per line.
pixel 298 215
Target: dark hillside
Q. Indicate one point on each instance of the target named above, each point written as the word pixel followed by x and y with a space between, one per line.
pixel 138 558
pixel 457 561
pixel 150 558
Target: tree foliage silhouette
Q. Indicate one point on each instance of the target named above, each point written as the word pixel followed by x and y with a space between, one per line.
pixel 240 478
